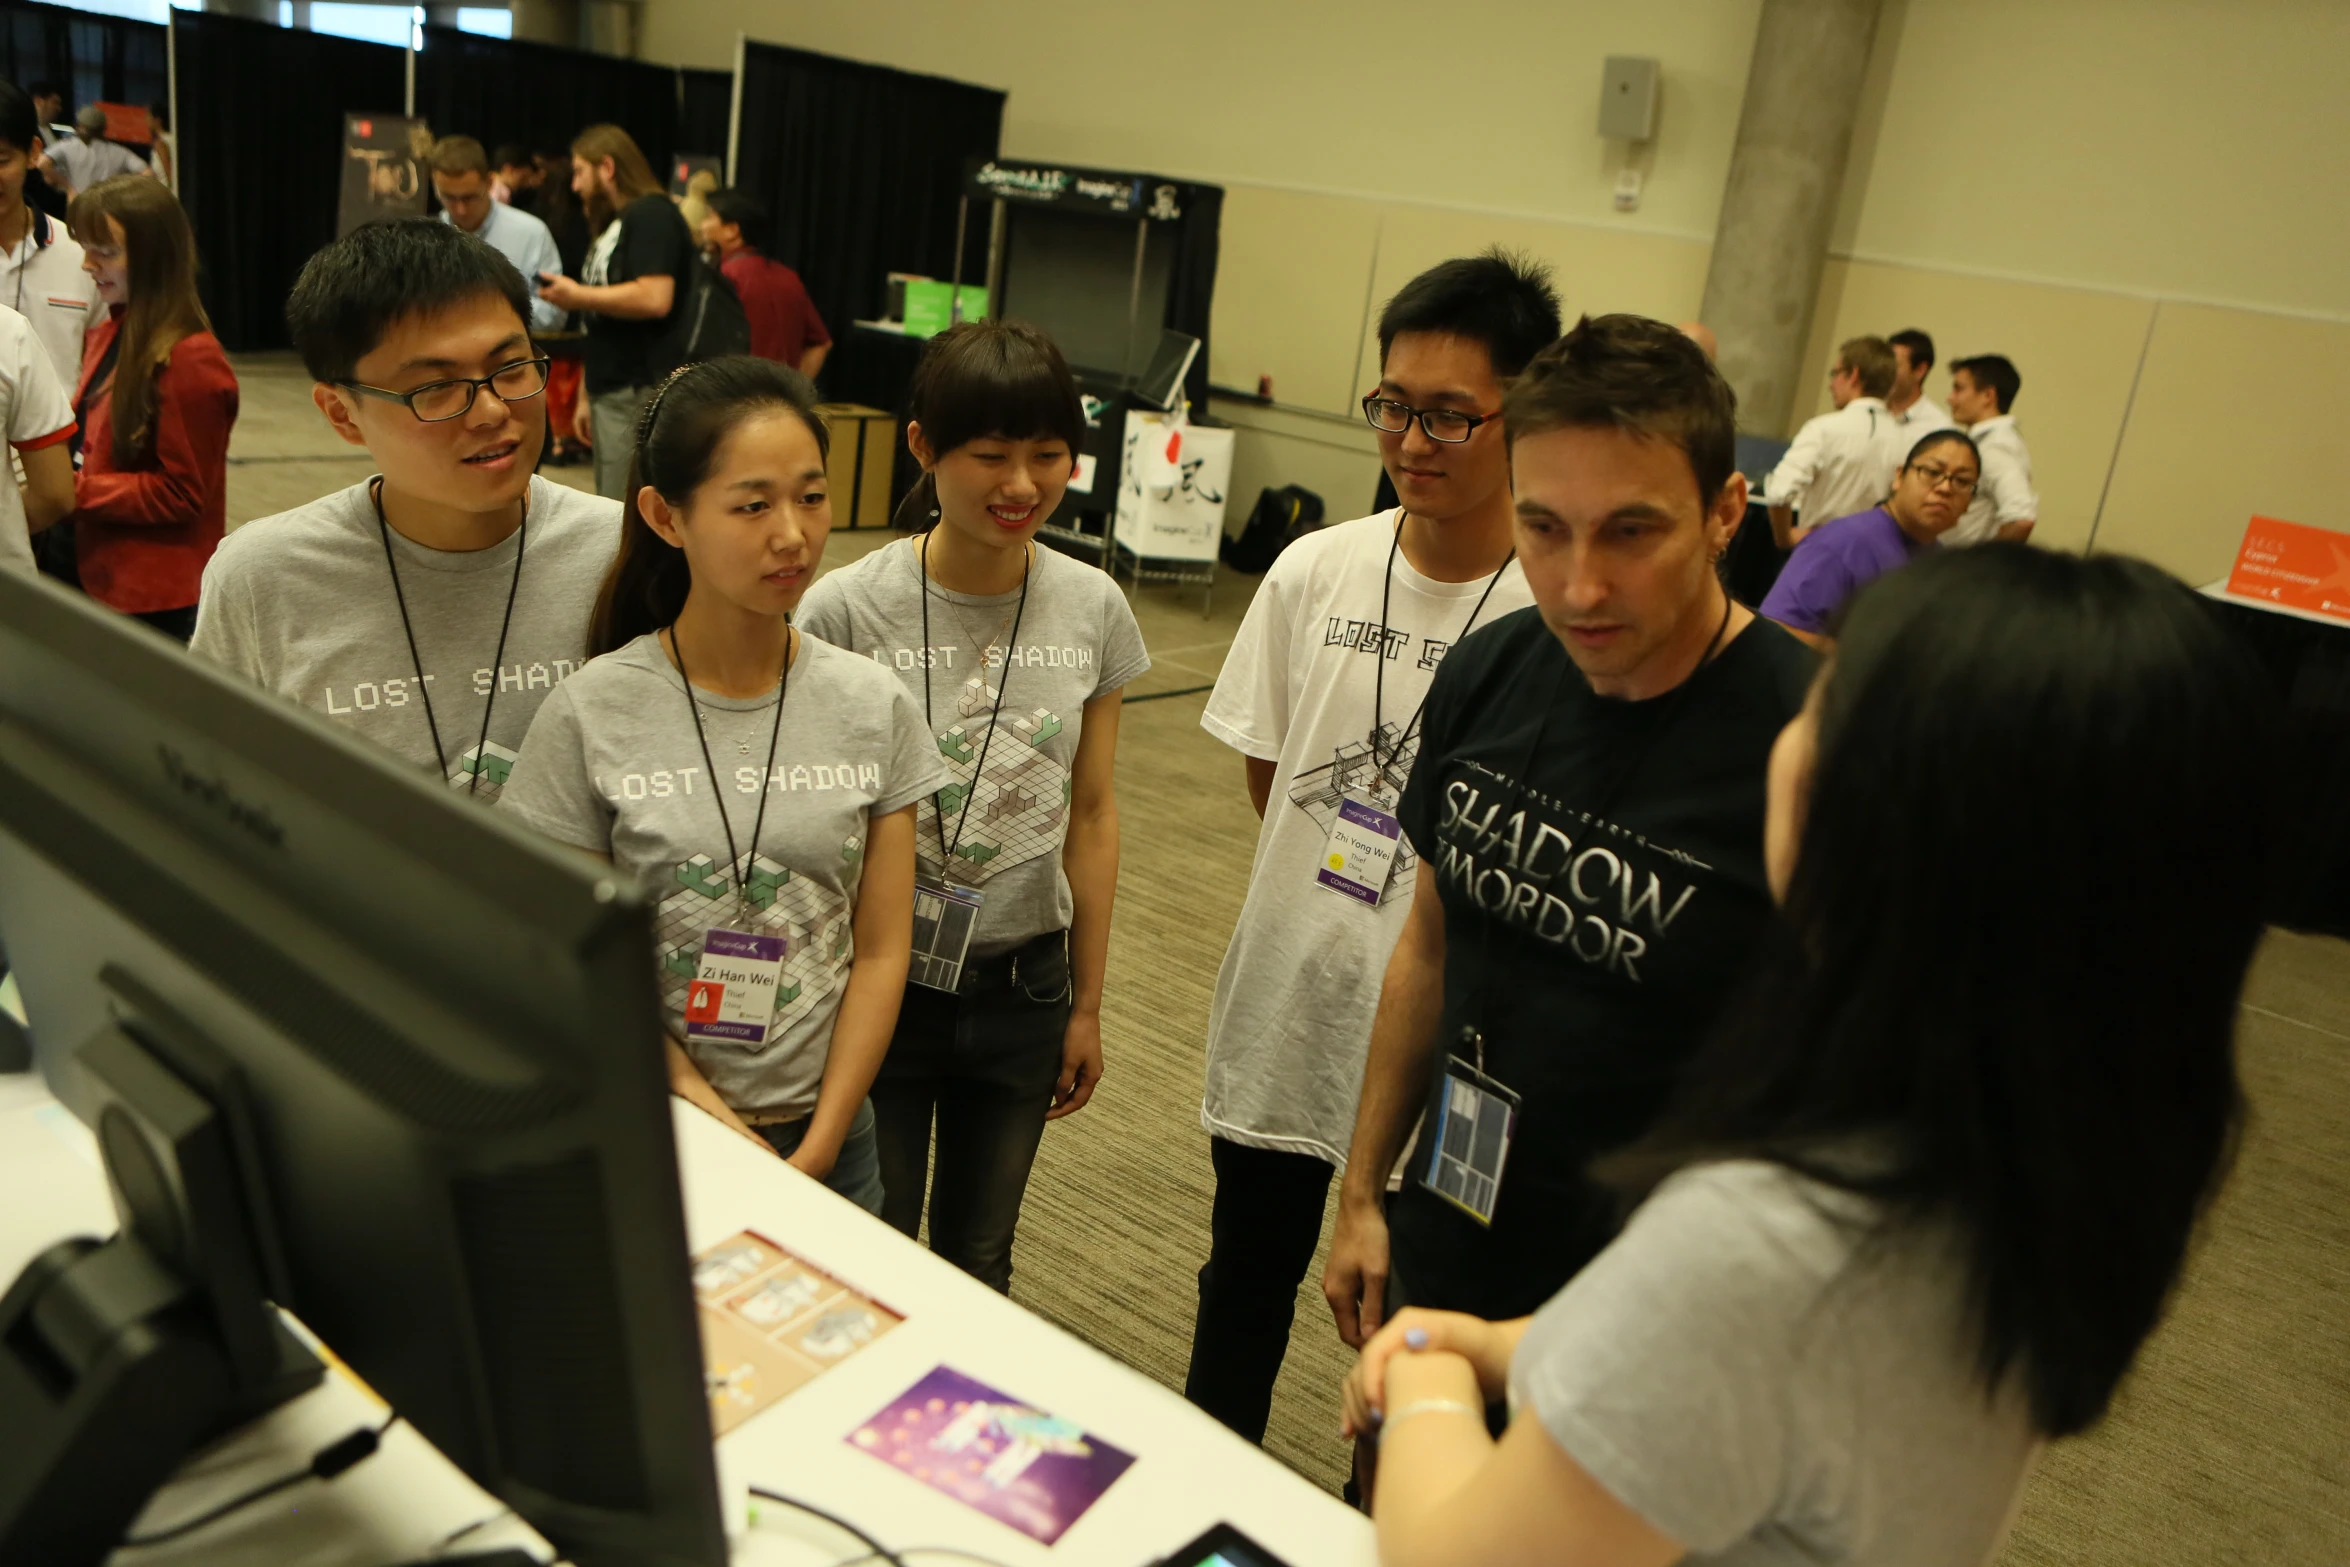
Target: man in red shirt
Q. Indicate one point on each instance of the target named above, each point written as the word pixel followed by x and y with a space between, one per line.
pixel 784 323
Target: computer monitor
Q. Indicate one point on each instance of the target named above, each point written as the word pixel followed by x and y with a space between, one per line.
pixel 1161 383
pixel 353 1045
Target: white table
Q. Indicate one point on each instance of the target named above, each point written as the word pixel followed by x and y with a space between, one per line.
pixel 1189 1472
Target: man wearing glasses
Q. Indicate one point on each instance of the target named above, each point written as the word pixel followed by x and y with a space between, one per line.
pixel 1840 462
pixel 434 606
pixel 1321 695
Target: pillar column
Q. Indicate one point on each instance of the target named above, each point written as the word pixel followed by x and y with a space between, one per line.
pixel 251 10
pixel 548 21
pixel 1802 95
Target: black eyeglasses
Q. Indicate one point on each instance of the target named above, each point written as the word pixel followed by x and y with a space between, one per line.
pixel 1440 424
pixel 436 401
pixel 1960 483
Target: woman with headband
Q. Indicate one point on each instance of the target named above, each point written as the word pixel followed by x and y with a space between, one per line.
pixel 782 851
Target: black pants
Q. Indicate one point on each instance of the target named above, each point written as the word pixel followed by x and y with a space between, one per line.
pixel 178 624
pixel 1267 1218
pixel 979 1067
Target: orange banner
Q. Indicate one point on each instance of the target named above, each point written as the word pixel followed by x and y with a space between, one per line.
pixel 2293 565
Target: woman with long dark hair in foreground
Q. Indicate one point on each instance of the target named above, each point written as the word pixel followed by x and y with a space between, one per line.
pixel 1927 1193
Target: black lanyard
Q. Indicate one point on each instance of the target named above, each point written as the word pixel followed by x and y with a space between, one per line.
pixel 946 850
pixel 734 861
pixel 1470 1034
pixel 375 494
pixel 1379 669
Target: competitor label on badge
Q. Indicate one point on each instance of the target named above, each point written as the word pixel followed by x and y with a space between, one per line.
pixel 944 917
pixel 732 997
pixel 1360 854
pixel 1470 1142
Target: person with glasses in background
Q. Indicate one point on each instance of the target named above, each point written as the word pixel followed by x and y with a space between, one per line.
pixel 1839 462
pixel 433 607
pixel 1321 695
pixel 461 179
pixel 1837 559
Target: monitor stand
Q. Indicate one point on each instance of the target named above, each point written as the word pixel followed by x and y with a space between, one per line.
pixel 119 1358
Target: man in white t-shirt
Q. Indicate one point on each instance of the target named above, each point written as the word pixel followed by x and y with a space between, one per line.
pixel 1911 408
pixel 1840 462
pixel 41 276
pixel 1982 391
pixel 39 421
pixel 89 158
pixel 1321 695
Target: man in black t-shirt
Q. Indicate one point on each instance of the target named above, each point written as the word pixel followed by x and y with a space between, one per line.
pixel 636 280
pixel 1588 813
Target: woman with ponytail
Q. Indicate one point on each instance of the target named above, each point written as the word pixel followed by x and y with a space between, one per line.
pixel 763 782
pixel 156 403
pixel 1018 656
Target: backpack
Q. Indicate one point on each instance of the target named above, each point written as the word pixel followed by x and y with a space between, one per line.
pixel 1281 517
pixel 708 321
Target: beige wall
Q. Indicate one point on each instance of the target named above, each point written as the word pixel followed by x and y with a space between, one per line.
pixel 2071 182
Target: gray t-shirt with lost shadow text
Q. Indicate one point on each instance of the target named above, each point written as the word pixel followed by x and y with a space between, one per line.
pixel 303 604
pixel 614 765
pixel 1077 639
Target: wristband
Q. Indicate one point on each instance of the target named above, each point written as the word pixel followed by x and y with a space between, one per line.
pixel 1429 1406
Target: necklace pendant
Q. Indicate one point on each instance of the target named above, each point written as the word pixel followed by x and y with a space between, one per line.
pixel 743 746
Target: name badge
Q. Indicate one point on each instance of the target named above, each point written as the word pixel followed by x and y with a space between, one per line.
pixel 1360 854
pixel 1470 1142
pixel 945 915
pixel 731 999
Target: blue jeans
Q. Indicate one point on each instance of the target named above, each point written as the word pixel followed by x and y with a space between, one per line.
pixel 856 1174
pixel 980 1066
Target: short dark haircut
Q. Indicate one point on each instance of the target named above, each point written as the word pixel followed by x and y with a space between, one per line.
pixel 1637 375
pixel 355 290
pixel 1920 346
pixel 1869 358
pixel 19 127
pixel 43 89
pixel 2061 1108
pixel 1996 371
pixel 1004 379
pixel 742 208
pixel 1501 300
pixel 511 155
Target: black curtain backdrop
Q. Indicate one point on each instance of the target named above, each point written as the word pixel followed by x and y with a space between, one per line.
pixel 541 95
pixel 862 167
pixel 704 101
pixel 1191 286
pixel 92 57
pixel 261 111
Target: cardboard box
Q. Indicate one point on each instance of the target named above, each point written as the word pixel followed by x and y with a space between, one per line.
pixel 864 453
pixel 1171 488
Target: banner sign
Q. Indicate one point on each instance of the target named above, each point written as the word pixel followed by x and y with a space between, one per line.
pixel 2294 566
pixel 1110 193
pixel 383 169
pixel 686 165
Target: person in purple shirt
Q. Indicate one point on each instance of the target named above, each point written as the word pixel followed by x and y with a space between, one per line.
pixel 1834 561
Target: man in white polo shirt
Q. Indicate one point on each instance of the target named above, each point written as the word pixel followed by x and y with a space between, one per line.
pixel 1982 394
pixel 41 276
pixel 36 420
pixel 1840 462
pixel 1911 408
